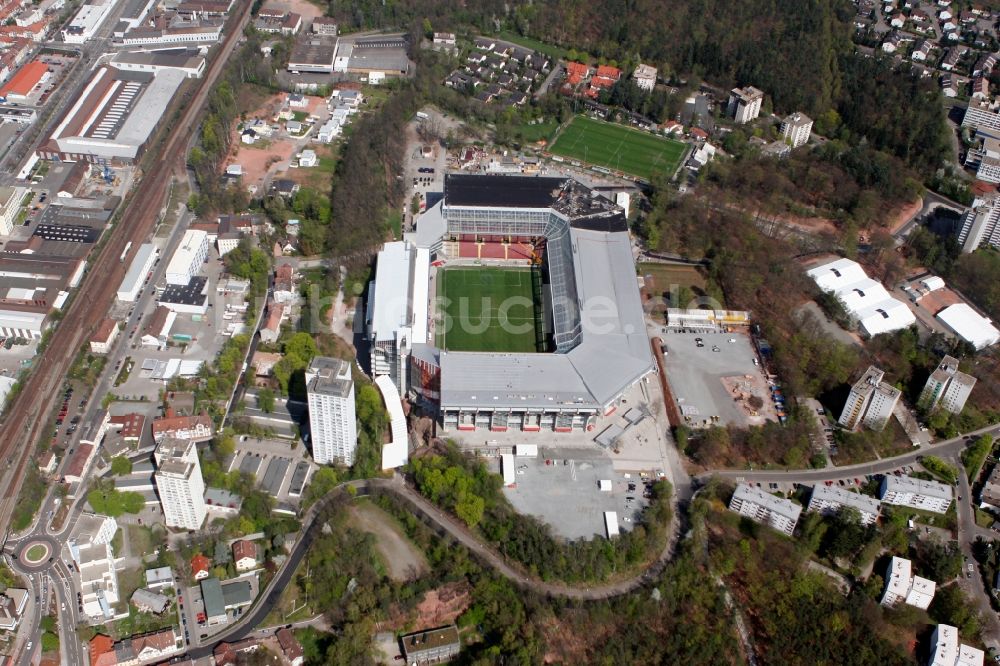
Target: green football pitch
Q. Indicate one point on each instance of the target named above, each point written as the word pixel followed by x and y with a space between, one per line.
pixel 487 310
pixel 618 148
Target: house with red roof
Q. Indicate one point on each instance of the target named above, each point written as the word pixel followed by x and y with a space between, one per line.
pixel 200 566
pixel 101 645
pixel 609 72
pixel 576 72
pixel 245 555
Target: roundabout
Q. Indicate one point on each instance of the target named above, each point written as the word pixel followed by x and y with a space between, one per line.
pixel 35 554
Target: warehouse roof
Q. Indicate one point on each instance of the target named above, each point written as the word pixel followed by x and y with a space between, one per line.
pixel 969 325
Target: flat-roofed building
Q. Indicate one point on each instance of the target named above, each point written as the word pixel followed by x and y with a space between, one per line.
pixel 431 646
pixel 916 493
pixel 744 104
pixel 828 500
pixel 645 77
pixel 870 402
pixel 313 54
pixel 86 21
pixel 186 60
pixel 188 258
pixel 947 387
pixel 901 586
pixel 138 271
pixel 947 651
pixel 10 206
pixel 98 578
pixel 179 484
pixel 332 424
pixel 796 129
pixel 969 325
pixel 754 503
pixel 159 578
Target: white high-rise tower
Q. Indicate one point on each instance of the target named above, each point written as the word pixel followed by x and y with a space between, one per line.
pixel 332 424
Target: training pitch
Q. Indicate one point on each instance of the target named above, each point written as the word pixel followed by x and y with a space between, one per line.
pixel 618 148
pixel 486 310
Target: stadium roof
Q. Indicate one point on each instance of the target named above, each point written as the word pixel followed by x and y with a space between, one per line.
pixel 969 325
pixel 613 354
pixel 397 288
pixel 501 191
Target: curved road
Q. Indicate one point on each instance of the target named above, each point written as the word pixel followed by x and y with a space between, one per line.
pixel 429 513
pixel 945 449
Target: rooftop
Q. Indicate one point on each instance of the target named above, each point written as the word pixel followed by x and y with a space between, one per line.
pixel 329 376
pixel 430 639
pixel 969 325
pixel 908 484
pixel 782 507
pixel 862 503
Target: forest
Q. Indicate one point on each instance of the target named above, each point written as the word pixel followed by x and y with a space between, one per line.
pixel 799 53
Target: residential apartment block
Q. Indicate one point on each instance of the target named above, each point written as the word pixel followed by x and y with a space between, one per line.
pixel 431 646
pixel 179 484
pixel 870 402
pixel 744 104
pixel 980 227
pixel 902 586
pixel 796 129
pixel 754 503
pixel 829 499
pixel 947 387
pixel 916 493
pixel 947 651
pixel 332 425
pixel 645 77
pixel 989 495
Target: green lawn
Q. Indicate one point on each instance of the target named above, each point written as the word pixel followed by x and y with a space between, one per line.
pixel 550 50
pixel 36 552
pixel 487 309
pixel 618 148
pixel 537 132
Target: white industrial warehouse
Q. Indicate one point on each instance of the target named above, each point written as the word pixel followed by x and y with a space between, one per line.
pixel 866 300
pixel 969 325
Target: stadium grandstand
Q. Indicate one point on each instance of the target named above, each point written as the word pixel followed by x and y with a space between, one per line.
pixel 585 311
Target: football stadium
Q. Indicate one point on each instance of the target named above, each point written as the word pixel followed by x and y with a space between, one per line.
pixel 514 306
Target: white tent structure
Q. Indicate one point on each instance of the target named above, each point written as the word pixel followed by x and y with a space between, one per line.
pixel 865 299
pixel 969 325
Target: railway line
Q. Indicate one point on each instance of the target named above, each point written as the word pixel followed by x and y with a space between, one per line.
pixel 28 415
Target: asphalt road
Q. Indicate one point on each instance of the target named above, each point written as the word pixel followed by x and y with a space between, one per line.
pixel 946 449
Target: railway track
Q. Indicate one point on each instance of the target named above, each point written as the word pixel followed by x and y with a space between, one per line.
pixel 28 415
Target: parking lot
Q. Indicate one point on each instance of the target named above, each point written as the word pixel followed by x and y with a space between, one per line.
pixel 565 493
pixel 714 376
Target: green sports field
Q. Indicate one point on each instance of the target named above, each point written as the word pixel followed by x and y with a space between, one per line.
pixel 487 309
pixel 618 148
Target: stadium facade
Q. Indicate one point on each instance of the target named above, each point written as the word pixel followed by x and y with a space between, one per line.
pixel 593 311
